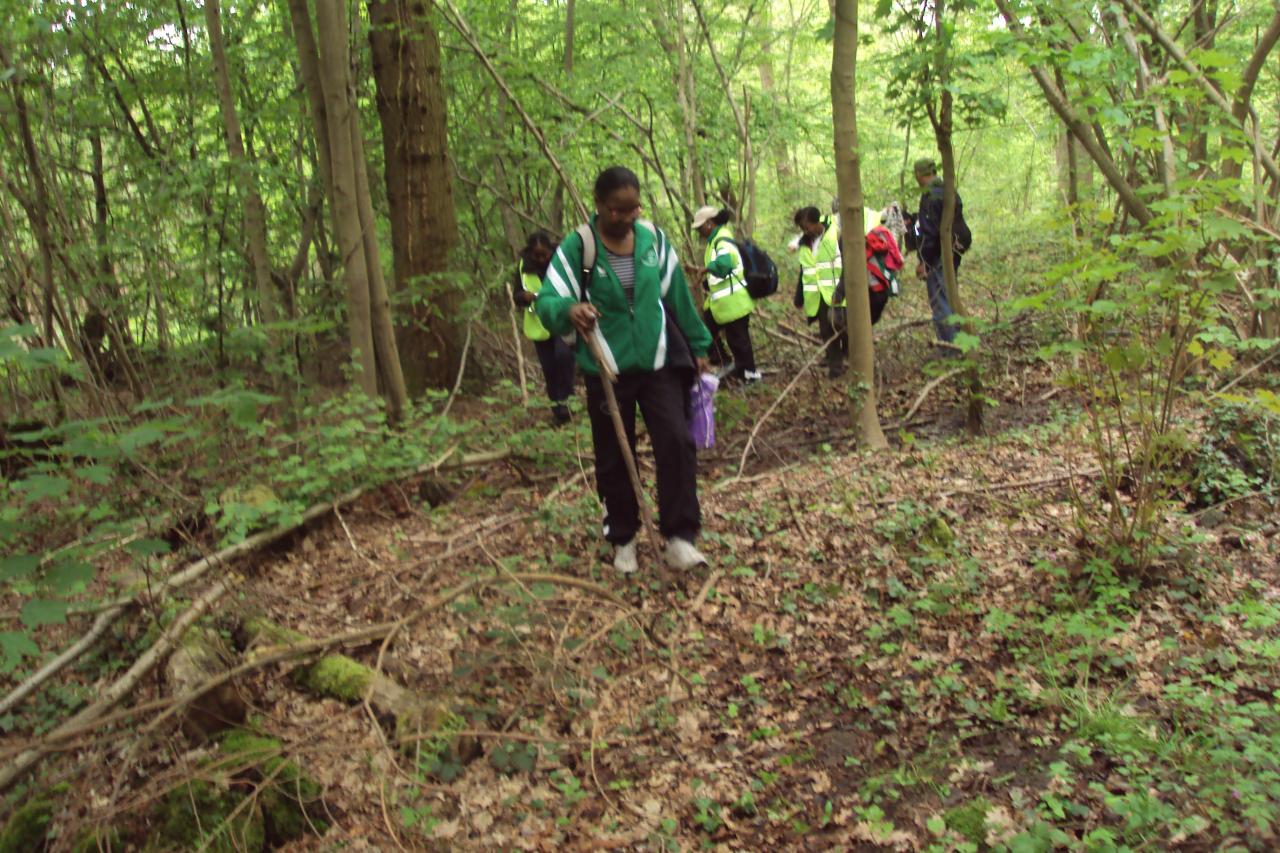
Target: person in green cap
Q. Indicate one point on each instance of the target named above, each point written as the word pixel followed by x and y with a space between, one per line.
pixel 928 233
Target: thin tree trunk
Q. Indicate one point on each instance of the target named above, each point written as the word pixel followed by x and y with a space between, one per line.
pixel 331 21
pixel 255 226
pixel 384 330
pixel 844 112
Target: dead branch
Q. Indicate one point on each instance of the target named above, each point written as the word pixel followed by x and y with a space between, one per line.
pixel 934 383
pixel 742 462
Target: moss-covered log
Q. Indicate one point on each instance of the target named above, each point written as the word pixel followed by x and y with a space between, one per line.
pixel 340 677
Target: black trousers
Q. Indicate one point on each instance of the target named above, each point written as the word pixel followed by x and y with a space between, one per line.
pixel 837 351
pixel 557 368
pixel 738 335
pixel 879 299
pixel 661 397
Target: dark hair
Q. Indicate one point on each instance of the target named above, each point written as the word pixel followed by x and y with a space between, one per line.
pixel 539 238
pixel 808 215
pixel 615 177
pixel 724 217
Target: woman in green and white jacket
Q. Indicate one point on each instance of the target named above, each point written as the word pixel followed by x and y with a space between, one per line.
pixel 636 301
pixel 729 305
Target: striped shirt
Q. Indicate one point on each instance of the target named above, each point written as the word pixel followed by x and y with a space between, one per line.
pixel 624 267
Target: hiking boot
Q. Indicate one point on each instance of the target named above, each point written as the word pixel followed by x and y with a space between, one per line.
pixel 682 556
pixel 624 558
pixel 560 414
pixel 835 370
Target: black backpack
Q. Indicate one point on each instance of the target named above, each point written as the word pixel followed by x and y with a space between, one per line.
pixel 759 270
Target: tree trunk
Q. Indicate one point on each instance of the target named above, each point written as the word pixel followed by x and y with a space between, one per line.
pixel 331 21
pixel 384 330
pixel 255 226
pixel 411 107
pixel 844 112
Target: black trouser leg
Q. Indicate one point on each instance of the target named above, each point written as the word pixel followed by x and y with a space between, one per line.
pixel 613 482
pixel 838 349
pixel 879 299
pixel 716 353
pixel 661 397
pixel 738 333
pixel 557 368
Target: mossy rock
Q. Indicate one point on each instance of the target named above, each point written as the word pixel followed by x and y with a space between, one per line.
pixel 337 676
pixel 201 812
pixel 969 819
pixel 28 825
pixel 288 802
pixel 26 829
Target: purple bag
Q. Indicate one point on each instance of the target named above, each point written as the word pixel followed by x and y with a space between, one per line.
pixel 702 418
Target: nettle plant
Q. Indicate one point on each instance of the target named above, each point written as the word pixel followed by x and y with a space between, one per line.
pixel 1153 310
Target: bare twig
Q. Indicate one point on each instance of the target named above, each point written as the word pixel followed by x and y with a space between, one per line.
pixel 924 393
pixel 742 462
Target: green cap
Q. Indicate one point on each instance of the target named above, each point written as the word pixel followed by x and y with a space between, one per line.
pixel 925 166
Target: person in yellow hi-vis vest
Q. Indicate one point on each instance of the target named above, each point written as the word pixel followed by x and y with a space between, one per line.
pixel 553 353
pixel 728 305
pixel 820 266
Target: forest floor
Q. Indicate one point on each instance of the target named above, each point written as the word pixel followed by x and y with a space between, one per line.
pixel 891 650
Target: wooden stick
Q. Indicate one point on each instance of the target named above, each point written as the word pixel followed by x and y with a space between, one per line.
pixel 742 463
pixel 607 379
pixel 934 383
pixel 515 335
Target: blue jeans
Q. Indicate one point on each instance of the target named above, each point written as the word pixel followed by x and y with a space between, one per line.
pixel 936 283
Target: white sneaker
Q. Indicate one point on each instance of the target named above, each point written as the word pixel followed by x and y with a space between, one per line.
pixel 624 558
pixel 682 556
pixel 752 375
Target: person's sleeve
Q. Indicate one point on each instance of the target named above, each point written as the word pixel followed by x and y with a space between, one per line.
pixel 678 301
pixel 560 288
pixel 724 263
pixel 517 288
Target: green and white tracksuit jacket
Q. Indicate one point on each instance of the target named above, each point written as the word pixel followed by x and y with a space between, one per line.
pixel 820 269
pixel 633 337
pixel 728 299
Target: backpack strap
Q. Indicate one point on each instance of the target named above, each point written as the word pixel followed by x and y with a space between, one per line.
pixel 588 237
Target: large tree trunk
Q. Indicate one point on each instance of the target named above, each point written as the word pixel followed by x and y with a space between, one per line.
pixel 331 21
pixel 255 225
pixel 844 112
pixel 411 107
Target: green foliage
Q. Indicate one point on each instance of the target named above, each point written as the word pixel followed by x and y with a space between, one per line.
pixel 1239 453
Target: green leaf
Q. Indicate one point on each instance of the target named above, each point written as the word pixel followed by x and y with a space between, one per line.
pixel 69 576
pixel 42 611
pixel 99 475
pixel 140 436
pixel 39 486
pixel 20 566
pixel 148 547
pixel 15 646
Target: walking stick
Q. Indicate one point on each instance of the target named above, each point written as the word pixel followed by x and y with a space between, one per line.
pixel 515 334
pixel 607 378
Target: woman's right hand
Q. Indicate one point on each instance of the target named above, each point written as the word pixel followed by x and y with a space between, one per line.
pixel 583 316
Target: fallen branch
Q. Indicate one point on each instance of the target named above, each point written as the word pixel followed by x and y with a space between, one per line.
pixel 88 717
pixel 934 383
pixel 742 462
pixel 117 608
